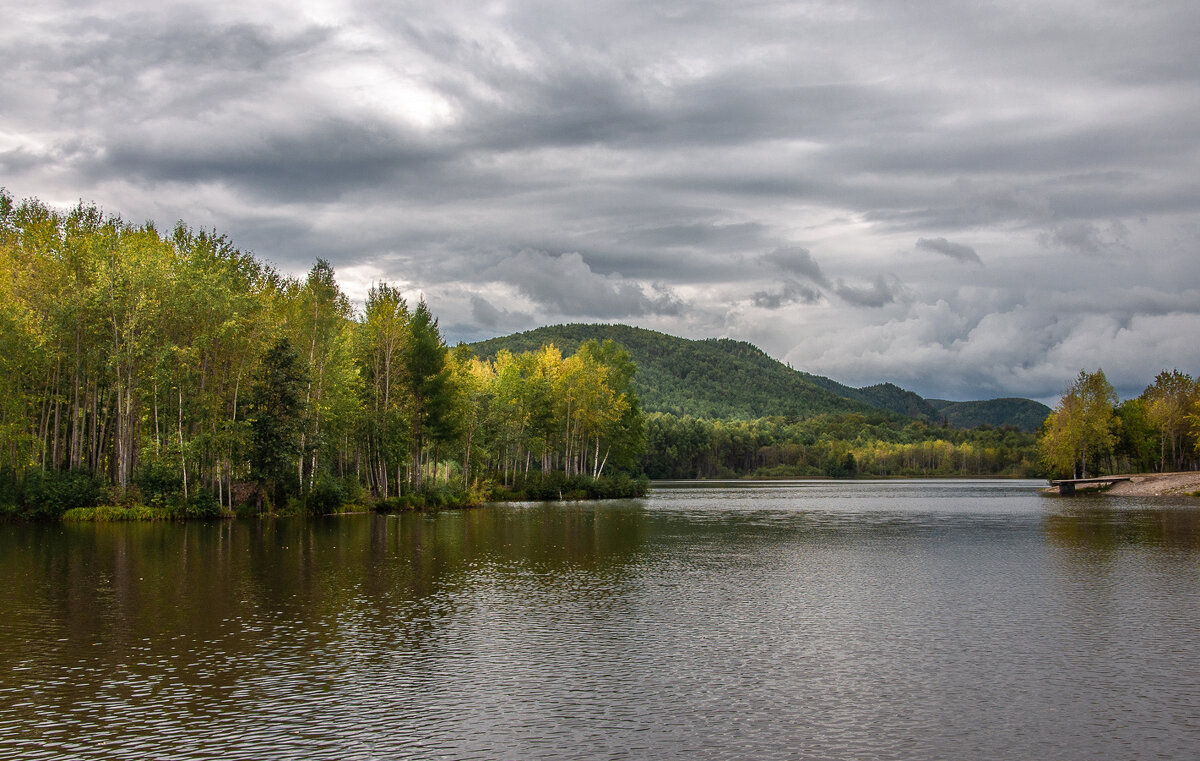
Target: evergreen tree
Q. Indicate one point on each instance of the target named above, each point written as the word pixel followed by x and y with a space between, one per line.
pixel 277 418
pixel 425 378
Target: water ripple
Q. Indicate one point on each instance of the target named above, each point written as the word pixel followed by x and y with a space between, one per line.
pixel 817 620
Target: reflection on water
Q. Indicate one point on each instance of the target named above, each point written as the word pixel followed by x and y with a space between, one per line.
pixel 1100 523
pixel 811 619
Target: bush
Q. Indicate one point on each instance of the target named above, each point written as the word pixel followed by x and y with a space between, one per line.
pixel 327 496
pixel 543 487
pixel 434 497
pixel 202 505
pixel 159 484
pixel 45 496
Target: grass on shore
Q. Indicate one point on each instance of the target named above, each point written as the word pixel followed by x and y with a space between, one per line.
pixel 117 513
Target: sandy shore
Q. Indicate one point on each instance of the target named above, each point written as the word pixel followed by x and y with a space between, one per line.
pixel 1151 485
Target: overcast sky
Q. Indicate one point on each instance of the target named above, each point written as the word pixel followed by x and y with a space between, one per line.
pixel 968 199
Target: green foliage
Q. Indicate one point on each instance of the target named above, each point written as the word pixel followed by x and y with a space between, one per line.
pixel 1081 431
pixel 158 482
pixel 202 505
pixel 1169 404
pixel 433 497
pixel 48 495
pixel 327 495
pixel 1025 414
pixel 277 418
pixel 554 486
pixel 1137 449
pixel 885 396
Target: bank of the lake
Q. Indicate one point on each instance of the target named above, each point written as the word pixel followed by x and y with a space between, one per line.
pixel 1183 484
pixel 555 487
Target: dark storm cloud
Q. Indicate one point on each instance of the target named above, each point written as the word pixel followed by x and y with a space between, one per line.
pixel 633 161
pixel 957 251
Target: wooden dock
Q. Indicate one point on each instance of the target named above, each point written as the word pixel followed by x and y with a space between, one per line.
pixel 1066 486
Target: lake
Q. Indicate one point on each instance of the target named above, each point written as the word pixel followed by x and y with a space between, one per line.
pixel 826 620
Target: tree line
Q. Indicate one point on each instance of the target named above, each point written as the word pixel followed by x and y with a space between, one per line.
pixel 836 446
pixel 1091 432
pixel 174 369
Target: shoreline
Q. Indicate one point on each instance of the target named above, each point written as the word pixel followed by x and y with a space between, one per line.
pixel 1179 484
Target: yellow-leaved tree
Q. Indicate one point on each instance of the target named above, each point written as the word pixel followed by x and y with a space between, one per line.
pixel 1083 427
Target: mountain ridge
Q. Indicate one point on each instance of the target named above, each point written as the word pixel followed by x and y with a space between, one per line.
pixel 725 378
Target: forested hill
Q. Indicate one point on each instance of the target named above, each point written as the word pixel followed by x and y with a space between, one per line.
pixel 1024 414
pixel 713 378
pixel 885 396
pixel 728 379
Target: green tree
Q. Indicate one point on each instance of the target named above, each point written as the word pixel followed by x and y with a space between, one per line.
pixel 1168 402
pixel 319 318
pixel 1138 447
pixel 277 418
pixel 425 380
pixel 382 336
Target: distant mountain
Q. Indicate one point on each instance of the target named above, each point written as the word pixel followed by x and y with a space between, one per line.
pixel 1024 414
pixel 727 379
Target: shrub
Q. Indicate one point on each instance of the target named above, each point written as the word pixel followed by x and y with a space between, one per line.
pixel 43 496
pixel 327 495
pixel 159 483
pixel 203 505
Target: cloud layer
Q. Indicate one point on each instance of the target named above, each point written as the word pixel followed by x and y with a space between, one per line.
pixel 967 199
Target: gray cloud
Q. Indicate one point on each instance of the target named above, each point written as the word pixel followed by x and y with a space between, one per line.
pixel 791 293
pixel 879 293
pixel 797 261
pixel 957 251
pixel 1086 237
pixel 665 148
pixel 486 315
pixel 566 285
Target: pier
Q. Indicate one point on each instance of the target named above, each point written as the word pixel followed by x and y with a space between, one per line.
pixel 1066 486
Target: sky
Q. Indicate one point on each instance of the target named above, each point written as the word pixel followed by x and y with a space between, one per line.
pixel 968 199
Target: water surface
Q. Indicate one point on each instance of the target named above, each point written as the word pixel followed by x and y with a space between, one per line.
pixel 833 620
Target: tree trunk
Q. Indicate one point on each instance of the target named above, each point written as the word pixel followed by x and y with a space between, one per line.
pixel 182 456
